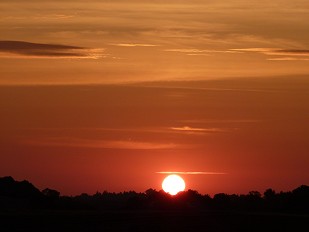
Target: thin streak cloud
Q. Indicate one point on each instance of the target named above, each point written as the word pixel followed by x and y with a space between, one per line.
pixel 103 144
pixel 194 173
pixel 134 45
pixel 185 50
pixel 279 54
pixel 22 49
pixel 199 52
pixel 288 59
pixel 192 129
pixel 261 50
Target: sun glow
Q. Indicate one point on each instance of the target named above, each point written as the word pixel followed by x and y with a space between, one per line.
pixel 173 184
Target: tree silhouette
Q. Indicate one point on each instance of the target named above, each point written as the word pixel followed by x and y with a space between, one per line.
pixel 51 193
pixel 295 201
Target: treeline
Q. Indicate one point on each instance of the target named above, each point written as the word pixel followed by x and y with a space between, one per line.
pixel 17 194
pixel 294 201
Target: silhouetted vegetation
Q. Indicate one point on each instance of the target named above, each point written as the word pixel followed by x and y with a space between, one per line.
pixel 296 201
pixel 24 208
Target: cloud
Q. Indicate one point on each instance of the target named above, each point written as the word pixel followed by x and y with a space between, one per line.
pixel 196 130
pixel 279 54
pixel 184 50
pixel 288 59
pixel 199 52
pixel 22 49
pixel 294 52
pixel 193 173
pixel 101 144
pixel 134 45
pixel 261 50
pixel 221 121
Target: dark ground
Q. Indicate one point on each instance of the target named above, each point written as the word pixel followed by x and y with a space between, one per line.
pixel 25 208
pixel 149 220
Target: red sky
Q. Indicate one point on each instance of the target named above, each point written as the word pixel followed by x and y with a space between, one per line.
pixel 104 95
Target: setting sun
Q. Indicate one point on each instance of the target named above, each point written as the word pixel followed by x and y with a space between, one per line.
pixel 173 184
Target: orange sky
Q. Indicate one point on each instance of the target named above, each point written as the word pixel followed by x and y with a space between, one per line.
pixel 102 95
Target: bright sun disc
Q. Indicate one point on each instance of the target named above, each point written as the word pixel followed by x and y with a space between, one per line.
pixel 173 184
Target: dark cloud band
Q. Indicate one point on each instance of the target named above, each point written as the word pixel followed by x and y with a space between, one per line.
pixel 28 49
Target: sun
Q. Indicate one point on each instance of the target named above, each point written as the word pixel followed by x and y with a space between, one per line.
pixel 173 184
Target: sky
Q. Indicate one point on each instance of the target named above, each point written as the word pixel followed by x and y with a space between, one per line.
pixel 113 95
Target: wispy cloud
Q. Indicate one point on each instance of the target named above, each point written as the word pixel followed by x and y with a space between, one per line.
pixel 22 49
pixel 289 54
pixel 134 45
pixel 193 173
pixel 261 50
pixel 288 59
pixel 224 121
pixel 196 130
pixel 199 52
pixel 103 144
pixel 278 54
pixel 184 50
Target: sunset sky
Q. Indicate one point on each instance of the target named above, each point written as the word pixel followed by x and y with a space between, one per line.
pixel 112 94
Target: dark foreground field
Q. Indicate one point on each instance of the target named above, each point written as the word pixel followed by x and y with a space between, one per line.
pixel 149 220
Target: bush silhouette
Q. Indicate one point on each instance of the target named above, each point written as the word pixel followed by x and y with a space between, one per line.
pixel 295 201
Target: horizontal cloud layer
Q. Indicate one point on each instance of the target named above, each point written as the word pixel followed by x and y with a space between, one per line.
pixel 40 50
pixel 193 173
pixel 196 130
pixel 134 45
pixel 279 54
pixel 101 144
